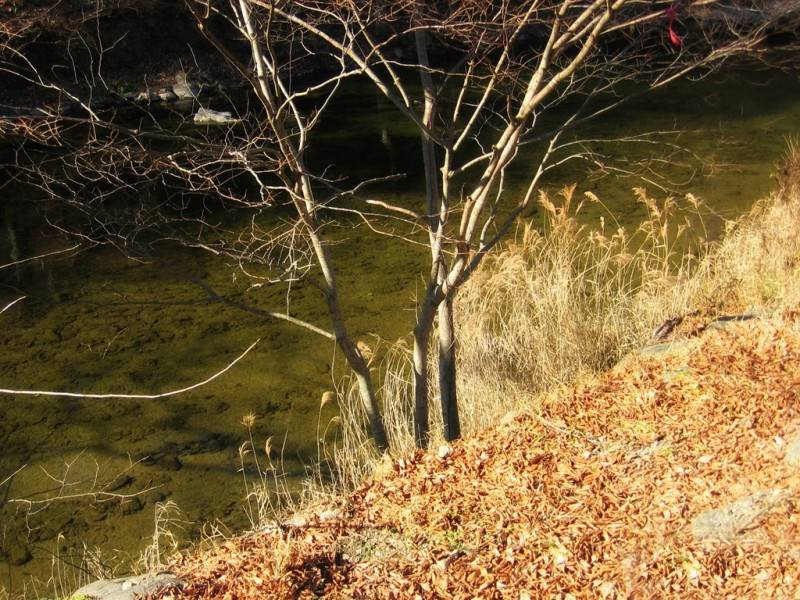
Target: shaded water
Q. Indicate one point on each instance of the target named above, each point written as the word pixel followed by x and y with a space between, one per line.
pixel 99 322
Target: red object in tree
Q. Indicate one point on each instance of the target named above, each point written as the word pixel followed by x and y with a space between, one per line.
pixel 674 38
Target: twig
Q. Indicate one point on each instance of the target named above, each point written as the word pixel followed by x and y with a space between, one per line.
pixel 12 303
pixel 10 477
pixel 666 327
pixel 40 256
pixel 400 209
pixel 100 496
pixel 262 313
pixel 108 346
pixel 132 396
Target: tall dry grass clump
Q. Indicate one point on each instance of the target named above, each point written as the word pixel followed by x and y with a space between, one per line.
pixel 566 299
pixel 756 263
pixel 347 454
pixel 570 299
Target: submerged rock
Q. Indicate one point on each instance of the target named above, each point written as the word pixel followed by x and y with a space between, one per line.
pixel 16 551
pixel 131 505
pixel 120 482
pixel 167 457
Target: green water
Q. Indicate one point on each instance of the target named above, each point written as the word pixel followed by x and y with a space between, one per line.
pixel 99 322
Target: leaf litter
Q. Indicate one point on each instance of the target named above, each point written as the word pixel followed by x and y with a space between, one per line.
pixel 591 493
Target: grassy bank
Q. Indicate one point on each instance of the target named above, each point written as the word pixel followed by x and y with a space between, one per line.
pixel 599 485
pixel 601 490
pixel 573 298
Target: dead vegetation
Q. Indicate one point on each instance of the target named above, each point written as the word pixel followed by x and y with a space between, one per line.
pixel 592 489
pixel 589 493
pixel 574 297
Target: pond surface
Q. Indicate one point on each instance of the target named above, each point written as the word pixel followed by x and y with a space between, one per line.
pixel 98 322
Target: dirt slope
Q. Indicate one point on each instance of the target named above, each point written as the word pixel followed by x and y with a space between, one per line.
pixel 600 491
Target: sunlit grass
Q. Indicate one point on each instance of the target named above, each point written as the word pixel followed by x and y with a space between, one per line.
pixel 568 300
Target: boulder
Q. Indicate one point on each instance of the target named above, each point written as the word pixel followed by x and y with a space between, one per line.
pixel 144 97
pixel 184 89
pixel 166 95
pixel 206 116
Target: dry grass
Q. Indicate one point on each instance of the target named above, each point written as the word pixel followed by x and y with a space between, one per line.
pixel 591 488
pixel 574 299
pixel 551 309
pixel 347 454
pixel 756 264
pixel 267 494
pixel 167 520
pixel 571 300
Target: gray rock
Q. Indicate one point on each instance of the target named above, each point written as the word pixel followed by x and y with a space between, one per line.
pixel 730 523
pixel 206 116
pixel 656 447
pixel 793 452
pixel 330 514
pixel 144 97
pixel 679 374
pixel 185 90
pixel 128 588
pixel 668 348
pixel 664 350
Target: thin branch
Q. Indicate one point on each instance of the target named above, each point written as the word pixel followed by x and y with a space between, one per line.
pixel 132 396
pixel 395 208
pixel 12 303
pixel 38 257
pixel 262 313
pixel 10 477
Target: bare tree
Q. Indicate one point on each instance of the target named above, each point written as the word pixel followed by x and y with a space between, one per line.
pixel 498 67
pixel 477 80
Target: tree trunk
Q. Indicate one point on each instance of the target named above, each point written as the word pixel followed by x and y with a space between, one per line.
pixel 351 353
pixel 422 336
pixel 447 372
pixel 366 390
